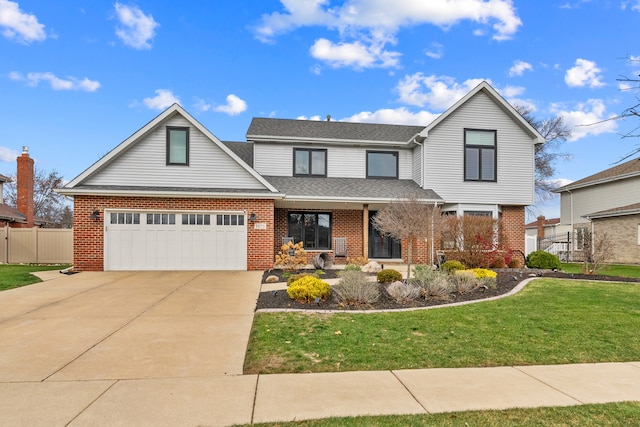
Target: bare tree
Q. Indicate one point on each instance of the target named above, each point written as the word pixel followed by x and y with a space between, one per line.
pixel 47 204
pixel 555 131
pixel 409 220
pixel 597 250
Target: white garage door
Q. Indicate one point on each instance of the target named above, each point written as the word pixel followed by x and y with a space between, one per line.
pixel 175 240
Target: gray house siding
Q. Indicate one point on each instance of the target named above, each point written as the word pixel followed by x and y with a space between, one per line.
pixel 598 198
pixel 515 156
pixel 144 164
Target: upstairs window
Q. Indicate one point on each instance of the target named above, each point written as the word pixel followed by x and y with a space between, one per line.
pixel 382 164
pixel 177 146
pixel 480 156
pixel 308 162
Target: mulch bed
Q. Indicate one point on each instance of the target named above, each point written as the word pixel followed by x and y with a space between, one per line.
pixel 507 279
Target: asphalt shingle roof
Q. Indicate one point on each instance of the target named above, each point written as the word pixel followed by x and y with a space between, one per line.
pixel 244 150
pixel 630 168
pixel 9 213
pixel 331 130
pixel 619 211
pixel 356 188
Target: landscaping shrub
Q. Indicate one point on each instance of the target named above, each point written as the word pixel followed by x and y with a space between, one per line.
pixel 295 277
pixel 291 256
pixel 542 259
pixel 498 262
pixel 515 263
pixel 359 261
pixel 352 267
pixel 354 289
pixel 403 293
pixel 465 281
pixel 483 272
pixel 419 268
pixel 308 288
pixel 451 266
pixel 434 283
pixel 389 275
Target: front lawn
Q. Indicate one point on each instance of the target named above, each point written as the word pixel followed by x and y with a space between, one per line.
pixel 623 270
pixel 602 415
pixel 552 321
pixel 14 275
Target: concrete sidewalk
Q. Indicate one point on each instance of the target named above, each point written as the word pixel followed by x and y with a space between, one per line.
pixel 245 399
pixel 167 348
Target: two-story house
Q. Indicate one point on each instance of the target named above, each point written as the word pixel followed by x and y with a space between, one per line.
pixel 173 196
pixel 605 202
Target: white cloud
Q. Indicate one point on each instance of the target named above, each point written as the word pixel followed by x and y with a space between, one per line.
pixel 234 106
pixel 585 73
pixel 16 24
pixel 519 67
pixel 136 29
pixel 436 51
pixel 437 92
pixel 397 116
pixel 366 27
pixel 586 119
pixel 8 155
pixel 56 83
pixel 163 99
pixel 202 105
pixel 635 5
pixel 313 118
pixel 390 16
pixel 353 54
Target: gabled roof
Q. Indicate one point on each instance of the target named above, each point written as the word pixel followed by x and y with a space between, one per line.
pixel 625 170
pixel 350 189
pixel 498 99
pixel 289 130
pixel 620 211
pixel 244 150
pixel 165 115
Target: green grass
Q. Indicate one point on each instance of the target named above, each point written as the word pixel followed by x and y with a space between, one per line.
pixel 551 321
pixel 602 415
pixel 609 270
pixel 15 276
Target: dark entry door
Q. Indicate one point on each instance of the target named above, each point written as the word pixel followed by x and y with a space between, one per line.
pixel 382 246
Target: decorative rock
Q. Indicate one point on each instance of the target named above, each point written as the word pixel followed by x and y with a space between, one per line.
pixel 272 279
pixel 371 267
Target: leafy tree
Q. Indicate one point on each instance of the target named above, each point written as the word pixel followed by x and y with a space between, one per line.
pixel 47 204
pixel 555 131
pixel 408 220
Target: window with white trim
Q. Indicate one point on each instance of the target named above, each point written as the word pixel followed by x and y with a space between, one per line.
pixel 196 219
pixel 230 219
pixel 124 218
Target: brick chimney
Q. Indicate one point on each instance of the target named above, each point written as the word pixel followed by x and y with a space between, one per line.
pixel 541 221
pixel 25 186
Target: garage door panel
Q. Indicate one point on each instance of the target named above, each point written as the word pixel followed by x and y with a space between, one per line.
pixel 176 241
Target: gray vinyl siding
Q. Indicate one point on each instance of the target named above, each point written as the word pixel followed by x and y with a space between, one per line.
pixel 144 164
pixel 598 198
pixel 342 162
pixel 515 157
pixel 417 164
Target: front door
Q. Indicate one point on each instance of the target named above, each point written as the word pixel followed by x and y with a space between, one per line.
pixel 382 246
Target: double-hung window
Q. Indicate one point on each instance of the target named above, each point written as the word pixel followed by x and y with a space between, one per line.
pixel 312 228
pixel 178 146
pixel 480 155
pixel 382 164
pixel 309 162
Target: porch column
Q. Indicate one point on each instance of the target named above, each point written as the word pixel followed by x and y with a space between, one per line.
pixel 365 231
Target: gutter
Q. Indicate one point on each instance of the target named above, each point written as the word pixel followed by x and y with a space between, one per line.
pixel 171 194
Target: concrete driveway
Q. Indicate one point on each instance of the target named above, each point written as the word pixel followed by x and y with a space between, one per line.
pixel 73 346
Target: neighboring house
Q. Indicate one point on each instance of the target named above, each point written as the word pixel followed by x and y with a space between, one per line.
pixel 541 234
pixel 23 215
pixel 606 202
pixel 173 196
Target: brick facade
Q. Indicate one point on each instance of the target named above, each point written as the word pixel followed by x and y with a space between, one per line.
pixel 88 233
pixel 344 223
pixel 624 233
pixel 513 220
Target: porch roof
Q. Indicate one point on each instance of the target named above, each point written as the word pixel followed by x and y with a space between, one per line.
pixel 350 189
pixel 633 209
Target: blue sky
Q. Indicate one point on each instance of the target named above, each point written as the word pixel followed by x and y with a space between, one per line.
pixel 77 77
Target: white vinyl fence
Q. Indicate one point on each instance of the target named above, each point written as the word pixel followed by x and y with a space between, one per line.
pixel 36 245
